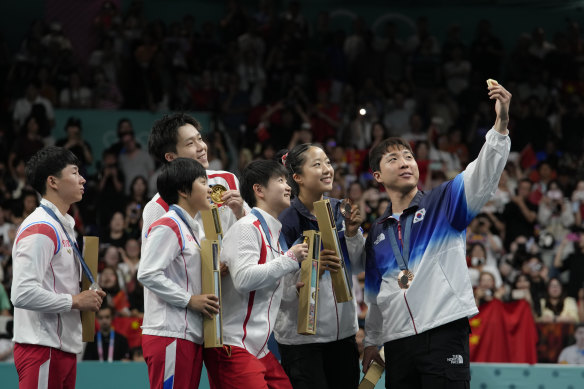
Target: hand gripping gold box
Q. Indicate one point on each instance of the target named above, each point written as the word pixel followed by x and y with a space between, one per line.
pixel 212 224
pixel 330 240
pixel 211 274
pixel 374 374
pixel 308 294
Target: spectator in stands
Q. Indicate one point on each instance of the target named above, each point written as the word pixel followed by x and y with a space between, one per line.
pixel 578 203
pixel 132 225
pixel 479 231
pixel 573 262
pixel 30 202
pixel 574 354
pixel 486 291
pixel 116 297
pixel 106 94
pixel 478 264
pixel 75 142
pixel 139 191
pixel 23 107
pixel 519 215
pixel 76 94
pixel 116 234
pixel 133 160
pixel 538 273
pixel 111 257
pixel 555 212
pixel 28 142
pixel 108 345
pixel 6 343
pixel 130 255
pixel 110 187
pixel 556 307
pixel 521 289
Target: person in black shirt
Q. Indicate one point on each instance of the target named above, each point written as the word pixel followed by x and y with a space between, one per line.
pixel 107 345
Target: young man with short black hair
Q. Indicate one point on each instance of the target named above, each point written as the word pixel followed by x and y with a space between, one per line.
pixel 47 273
pixel 179 136
pixel 417 285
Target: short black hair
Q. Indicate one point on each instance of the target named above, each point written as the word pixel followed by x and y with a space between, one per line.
pixel 293 160
pixel 383 147
pixel 164 134
pixel 49 161
pixel 178 176
pixel 259 172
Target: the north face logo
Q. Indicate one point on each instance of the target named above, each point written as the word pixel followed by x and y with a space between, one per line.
pixel 456 359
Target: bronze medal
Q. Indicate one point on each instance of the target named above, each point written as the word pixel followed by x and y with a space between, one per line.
pixel 217 192
pixel 404 279
pixel 346 207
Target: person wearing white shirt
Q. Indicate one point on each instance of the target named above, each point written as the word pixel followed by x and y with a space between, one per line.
pixel 46 277
pixel 258 259
pixel 170 270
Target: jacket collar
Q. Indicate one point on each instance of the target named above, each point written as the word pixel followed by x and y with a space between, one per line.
pixel 301 208
pixel 411 208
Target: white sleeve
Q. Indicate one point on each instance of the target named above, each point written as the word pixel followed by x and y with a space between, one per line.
pixel 356 249
pixel 373 325
pixel 482 175
pixel 31 259
pixel 160 249
pixel 241 251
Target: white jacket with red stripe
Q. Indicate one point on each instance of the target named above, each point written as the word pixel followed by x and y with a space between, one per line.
pixel 251 295
pixel 158 207
pixel 45 276
pixel 170 270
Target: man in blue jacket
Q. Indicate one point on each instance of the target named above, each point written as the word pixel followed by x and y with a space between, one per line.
pixel 416 279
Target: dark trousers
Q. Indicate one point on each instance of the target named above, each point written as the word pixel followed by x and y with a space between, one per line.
pixel 435 359
pixel 333 365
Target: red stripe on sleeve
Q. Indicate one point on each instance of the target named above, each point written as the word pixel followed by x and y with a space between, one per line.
pixel 168 222
pixel 263 252
pixel 42 229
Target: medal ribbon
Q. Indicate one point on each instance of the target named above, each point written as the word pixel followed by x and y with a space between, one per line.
pixel 402 260
pixel 184 219
pixel 110 347
pixel 76 251
pixel 264 225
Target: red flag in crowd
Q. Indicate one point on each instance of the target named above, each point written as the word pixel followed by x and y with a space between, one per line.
pixel 503 332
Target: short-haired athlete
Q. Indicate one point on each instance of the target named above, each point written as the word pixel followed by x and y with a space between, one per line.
pixel 179 136
pixel 170 270
pixel 46 276
pixel 258 258
pixel 416 279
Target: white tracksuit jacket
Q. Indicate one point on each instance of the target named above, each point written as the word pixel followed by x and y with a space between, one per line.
pixel 46 275
pixel 252 293
pixel 170 270
pixel 441 291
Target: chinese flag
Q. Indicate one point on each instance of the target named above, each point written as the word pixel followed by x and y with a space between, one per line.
pixel 503 332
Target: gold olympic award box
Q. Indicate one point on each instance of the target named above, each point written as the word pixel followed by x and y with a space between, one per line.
pixel 330 240
pixel 211 274
pixel 308 294
pixel 374 373
pixel 90 255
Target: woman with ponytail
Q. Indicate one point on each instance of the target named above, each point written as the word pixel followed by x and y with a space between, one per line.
pixel 328 359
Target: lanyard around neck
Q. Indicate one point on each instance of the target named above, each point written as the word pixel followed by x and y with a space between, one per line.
pixel 402 259
pixel 184 219
pixel 110 347
pixel 73 245
pixel 264 225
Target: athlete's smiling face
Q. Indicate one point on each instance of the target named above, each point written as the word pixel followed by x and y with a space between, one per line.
pixel 398 170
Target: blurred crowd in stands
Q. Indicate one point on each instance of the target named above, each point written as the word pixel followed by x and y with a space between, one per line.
pixel 271 78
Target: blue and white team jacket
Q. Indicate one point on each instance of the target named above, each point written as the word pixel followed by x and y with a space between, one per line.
pixel 441 291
